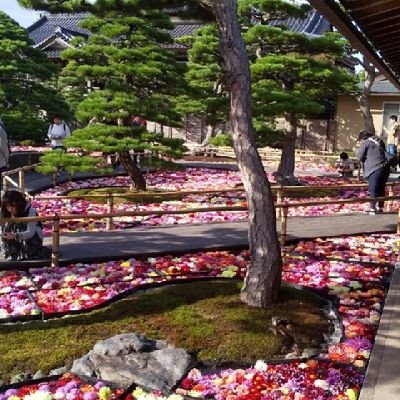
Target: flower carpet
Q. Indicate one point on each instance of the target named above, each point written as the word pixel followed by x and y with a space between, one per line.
pixel 68 387
pixel 190 179
pixel 352 271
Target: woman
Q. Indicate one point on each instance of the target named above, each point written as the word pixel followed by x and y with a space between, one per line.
pixel 376 168
pixel 21 240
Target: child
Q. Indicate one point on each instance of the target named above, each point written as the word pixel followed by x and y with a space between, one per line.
pixel 21 240
pixel 344 165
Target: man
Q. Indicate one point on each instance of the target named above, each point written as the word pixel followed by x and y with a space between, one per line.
pixel 392 135
pixel 57 132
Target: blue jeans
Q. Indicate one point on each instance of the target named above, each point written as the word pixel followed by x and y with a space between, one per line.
pixel 391 149
pixel 376 185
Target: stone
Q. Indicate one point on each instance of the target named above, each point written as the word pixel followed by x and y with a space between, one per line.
pixel 20 378
pixel 39 375
pixel 134 359
pixel 58 371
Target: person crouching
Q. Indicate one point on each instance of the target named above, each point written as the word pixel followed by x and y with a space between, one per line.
pixel 21 240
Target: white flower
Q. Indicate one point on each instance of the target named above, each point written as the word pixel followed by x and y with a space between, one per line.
pixel 260 366
pixel 39 395
pixel 303 365
pixel 319 383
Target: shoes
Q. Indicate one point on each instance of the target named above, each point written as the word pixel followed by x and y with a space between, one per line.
pixel 370 212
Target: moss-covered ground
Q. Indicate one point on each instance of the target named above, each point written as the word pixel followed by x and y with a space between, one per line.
pixel 207 318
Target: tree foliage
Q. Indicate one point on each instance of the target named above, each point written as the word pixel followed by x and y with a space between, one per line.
pixel 27 95
pixel 133 74
pixel 292 73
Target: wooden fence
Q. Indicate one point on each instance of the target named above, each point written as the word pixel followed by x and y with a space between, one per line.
pixel 283 219
pixel 281 193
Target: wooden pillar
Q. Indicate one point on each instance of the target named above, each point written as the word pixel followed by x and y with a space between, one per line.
pixel 398 223
pixel 55 250
pixel 110 209
pixel 284 219
pixel 279 200
pixel 21 178
pixel 389 204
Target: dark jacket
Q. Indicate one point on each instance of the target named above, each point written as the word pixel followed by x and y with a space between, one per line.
pixel 372 154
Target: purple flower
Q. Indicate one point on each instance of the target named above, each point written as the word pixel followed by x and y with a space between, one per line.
pixel 11 392
pixel 90 396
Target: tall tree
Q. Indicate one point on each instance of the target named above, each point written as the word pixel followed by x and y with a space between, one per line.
pixel 263 277
pixel 292 73
pixel 126 59
pixel 368 76
pixel 27 96
pixel 206 96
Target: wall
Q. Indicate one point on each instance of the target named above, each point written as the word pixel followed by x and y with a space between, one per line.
pixel 349 121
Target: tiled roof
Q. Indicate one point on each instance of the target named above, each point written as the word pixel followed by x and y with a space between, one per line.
pixel 315 24
pixel 181 30
pixel 384 87
pixel 66 26
pixel 50 24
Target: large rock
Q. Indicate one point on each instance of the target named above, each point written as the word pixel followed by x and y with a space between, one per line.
pixel 132 358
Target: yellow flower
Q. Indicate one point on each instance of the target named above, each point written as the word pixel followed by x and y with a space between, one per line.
pixel 352 394
pixel 105 393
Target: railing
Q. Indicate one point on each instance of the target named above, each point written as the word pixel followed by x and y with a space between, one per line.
pixel 7 180
pixel 280 191
pixel 283 219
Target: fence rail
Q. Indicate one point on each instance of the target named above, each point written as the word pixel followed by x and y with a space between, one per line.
pixel 283 218
pixel 280 191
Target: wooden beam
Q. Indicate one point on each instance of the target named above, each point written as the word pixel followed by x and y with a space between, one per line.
pixel 374 6
pixel 358 39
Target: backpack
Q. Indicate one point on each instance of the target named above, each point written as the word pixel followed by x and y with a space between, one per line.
pixel 64 127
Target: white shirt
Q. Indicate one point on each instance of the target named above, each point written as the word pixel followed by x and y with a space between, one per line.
pixel 31 227
pixel 57 133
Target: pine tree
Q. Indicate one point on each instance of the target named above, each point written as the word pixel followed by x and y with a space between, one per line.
pixel 135 75
pixel 206 95
pixel 26 92
pixel 292 73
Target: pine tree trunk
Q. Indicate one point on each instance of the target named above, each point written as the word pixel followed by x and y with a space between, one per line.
pixel 133 170
pixel 209 134
pixel 363 98
pixel 263 277
pixel 285 173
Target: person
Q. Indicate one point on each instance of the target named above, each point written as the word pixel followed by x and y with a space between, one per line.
pixel 4 152
pixel 21 240
pixel 344 165
pixel 376 168
pixel 393 133
pixel 57 132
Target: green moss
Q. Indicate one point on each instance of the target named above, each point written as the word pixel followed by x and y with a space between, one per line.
pixel 205 317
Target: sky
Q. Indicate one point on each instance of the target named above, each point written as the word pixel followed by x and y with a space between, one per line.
pixel 14 10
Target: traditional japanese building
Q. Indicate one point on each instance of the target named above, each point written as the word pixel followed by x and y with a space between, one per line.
pixel 53 33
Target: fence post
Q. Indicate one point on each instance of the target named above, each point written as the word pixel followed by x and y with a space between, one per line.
pixel 389 205
pixel 21 178
pixel 398 223
pixel 5 183
pixel 279 199
pixel 284 218
pixel 55 250
pixel 110 209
